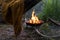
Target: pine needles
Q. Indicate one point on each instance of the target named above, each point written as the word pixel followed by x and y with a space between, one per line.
pixel 51 8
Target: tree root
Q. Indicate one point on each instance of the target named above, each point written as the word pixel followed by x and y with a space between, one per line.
pixel 54 21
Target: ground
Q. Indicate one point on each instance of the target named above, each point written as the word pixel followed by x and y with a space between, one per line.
pixel 7 33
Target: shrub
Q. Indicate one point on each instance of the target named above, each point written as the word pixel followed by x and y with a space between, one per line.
pixel 51 8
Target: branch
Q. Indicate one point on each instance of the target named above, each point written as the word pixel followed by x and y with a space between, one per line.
pixel 54 21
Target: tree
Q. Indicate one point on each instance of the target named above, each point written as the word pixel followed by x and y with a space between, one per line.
pixel 13 11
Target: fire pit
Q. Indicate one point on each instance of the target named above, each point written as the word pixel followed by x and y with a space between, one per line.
pixel 33 24
pixel 34 21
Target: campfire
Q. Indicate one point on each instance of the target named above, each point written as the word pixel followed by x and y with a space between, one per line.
pixel 34 20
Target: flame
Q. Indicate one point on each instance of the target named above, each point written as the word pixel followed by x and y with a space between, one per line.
pixel 34 19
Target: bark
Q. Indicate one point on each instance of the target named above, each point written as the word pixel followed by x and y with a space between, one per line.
pixel 13 12
pixel 0 2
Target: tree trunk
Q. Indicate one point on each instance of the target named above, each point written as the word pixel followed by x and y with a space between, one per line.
pixel 13 11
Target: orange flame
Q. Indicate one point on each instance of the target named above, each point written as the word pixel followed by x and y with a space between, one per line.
pixel 34 19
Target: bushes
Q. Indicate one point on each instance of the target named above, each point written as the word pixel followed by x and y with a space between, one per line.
pixel 51 8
